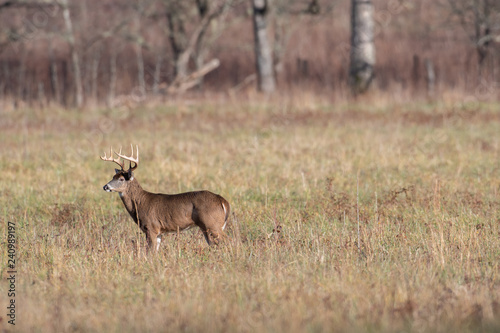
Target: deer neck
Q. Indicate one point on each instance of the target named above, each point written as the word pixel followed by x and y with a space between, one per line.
pixel 132 198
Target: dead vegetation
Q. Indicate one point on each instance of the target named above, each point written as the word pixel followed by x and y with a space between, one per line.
pixel 336 223
pixel 128 57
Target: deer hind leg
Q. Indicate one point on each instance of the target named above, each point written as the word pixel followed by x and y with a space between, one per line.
pixel 207 238
pixel 213 236
pixel 211 223
pixel 216 235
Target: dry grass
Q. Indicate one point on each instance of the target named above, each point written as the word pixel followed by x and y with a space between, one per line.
pixel 347 217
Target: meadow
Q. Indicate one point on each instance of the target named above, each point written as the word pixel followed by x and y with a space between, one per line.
pixel 347 216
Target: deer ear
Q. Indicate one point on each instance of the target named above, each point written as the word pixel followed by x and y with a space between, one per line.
pixel 117 171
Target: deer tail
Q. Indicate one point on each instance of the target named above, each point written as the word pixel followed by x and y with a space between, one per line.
pixel 227 209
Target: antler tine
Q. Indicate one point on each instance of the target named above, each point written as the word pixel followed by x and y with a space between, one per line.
pixel 110 158
pixel 131 158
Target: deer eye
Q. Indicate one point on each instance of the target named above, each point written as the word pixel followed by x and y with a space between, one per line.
pixel 121 179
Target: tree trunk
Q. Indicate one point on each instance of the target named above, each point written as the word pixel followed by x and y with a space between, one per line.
pixel 95 73
pixel 431 77
pixel 138 51
pixel 187 46
pixel 140 69
pixel 74 54
pixel 199 50
pixel 263 51
pixel 22 78
pixel 54 76
pixel 112 76
pixel 41 95
pixel 362 55
pixel 3 82
pixel 157 72
pixel 176 33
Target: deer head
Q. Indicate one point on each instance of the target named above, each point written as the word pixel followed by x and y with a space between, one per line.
pixel 122 177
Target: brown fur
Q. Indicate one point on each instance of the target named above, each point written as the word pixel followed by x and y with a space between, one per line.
pixel 158 213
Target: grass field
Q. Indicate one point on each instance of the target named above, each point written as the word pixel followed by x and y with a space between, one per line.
pixel 348 217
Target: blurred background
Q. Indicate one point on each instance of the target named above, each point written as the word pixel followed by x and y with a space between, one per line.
pixel 105 52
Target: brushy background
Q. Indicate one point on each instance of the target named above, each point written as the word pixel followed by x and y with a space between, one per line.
pixel 310 51
pixel 367 215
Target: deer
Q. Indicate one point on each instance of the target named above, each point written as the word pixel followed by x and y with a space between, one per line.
pixel 158 213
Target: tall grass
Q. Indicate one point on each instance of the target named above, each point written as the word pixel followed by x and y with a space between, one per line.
pixel 421 256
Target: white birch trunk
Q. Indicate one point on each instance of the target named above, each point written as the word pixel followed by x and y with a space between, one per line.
pixel 74 54
pixel 362 46
pixel 263 50
pixel 138 51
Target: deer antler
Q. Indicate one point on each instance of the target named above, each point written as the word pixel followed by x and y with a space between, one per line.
pixel 131 158
pixel 111 159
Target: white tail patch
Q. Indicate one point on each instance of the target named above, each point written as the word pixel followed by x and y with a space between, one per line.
pixel 225 213
pixel 224 207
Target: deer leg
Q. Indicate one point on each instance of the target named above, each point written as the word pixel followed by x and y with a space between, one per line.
pixel 205 233
pixel 216 235
pixel 151 238
pixel 158 241
pixel 212 225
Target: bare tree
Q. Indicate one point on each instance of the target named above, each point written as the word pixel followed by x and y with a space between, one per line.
pixel 157 71
pixel 112 75
pixel 188 43
pixel 362 55
pixel 75 60
pixel 54 75
pixel 263 50
pixel 139 41
pixel 480 19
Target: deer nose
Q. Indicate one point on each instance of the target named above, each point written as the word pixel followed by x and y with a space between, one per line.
pixel 106 188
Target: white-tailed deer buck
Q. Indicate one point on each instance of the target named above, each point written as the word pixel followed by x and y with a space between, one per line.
pixel 158 213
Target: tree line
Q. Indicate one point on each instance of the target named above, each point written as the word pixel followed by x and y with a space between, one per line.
pixel 75 53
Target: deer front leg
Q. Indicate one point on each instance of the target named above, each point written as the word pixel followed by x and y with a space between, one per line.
pixel 158 241
pixel 152 238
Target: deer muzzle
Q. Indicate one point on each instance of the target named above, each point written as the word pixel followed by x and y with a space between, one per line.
pixel 106 188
